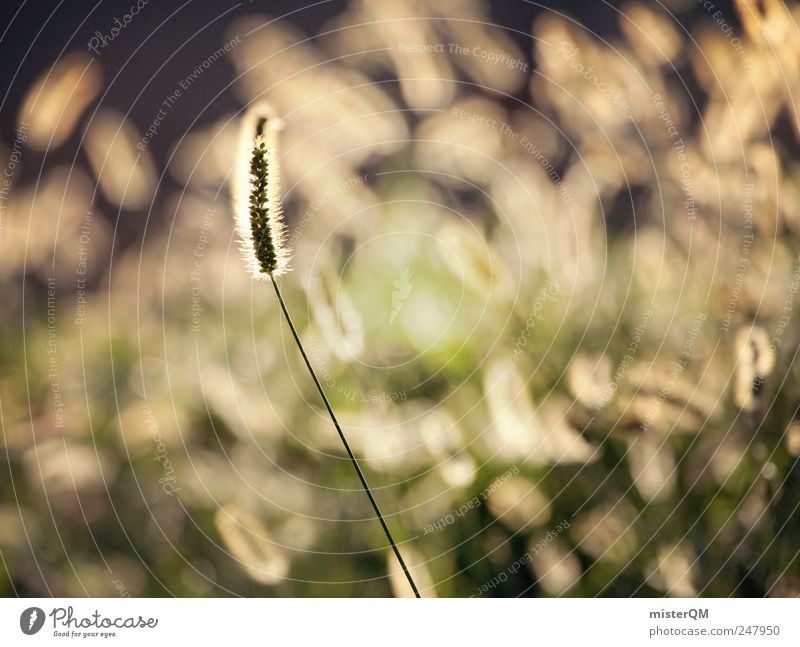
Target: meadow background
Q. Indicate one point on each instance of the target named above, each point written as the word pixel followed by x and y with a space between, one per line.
pixel 545 262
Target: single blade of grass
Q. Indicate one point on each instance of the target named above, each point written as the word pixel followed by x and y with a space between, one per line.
pixel 343 438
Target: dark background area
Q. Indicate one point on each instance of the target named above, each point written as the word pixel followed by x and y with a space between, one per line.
pixel 37 34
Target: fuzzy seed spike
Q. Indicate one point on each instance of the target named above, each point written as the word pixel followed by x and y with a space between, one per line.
pixel 257 199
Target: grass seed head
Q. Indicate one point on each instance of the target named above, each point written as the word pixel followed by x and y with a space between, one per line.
pixel 257 208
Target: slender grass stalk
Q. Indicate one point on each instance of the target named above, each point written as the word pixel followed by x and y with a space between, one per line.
pixel 350 453
pixel 260 227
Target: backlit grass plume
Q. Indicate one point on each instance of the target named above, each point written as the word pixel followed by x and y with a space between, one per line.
pixel 259 223
pixel 258 209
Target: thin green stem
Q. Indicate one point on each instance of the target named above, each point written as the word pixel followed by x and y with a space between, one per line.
pixel 352 456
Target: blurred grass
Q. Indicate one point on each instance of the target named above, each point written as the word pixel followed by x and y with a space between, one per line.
pixel 216 407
